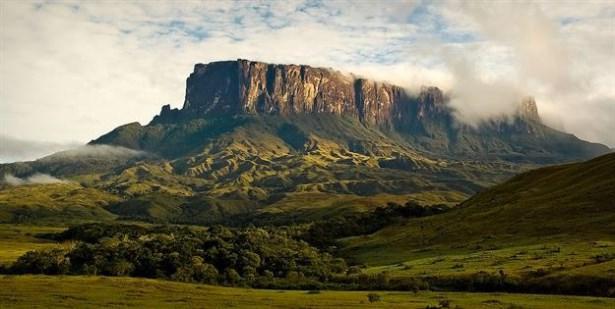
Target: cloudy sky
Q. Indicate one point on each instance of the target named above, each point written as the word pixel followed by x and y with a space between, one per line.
pixel 73 70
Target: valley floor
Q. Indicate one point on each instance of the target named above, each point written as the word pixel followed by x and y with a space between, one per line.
pixel 92 292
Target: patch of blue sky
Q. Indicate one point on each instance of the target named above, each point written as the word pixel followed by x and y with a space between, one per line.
pixel 430 22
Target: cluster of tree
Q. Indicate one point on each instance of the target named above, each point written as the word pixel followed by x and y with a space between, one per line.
pixel 543 283
pixel 324 233
pixel 482 282
pixel 218 255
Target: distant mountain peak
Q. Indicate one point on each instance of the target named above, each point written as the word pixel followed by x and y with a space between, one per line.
pixel 528 109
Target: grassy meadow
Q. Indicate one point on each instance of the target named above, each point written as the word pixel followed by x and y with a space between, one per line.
pixel 16 240
pixel 109 292
pixel 550 257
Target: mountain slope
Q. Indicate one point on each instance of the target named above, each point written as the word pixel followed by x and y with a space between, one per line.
pixel 60 203
pixel 572 202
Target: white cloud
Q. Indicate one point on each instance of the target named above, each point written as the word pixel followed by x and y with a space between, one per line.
pixel 74 70
pixel 560 53
pixel 13 149
pixel 96 151
pixel 34 179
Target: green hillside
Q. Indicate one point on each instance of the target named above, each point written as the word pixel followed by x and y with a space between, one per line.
pixel 289 169
pixel 553 223
pixel 59 203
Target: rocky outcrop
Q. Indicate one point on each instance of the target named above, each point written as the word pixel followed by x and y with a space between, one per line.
pixel 528 109
pixel 242 86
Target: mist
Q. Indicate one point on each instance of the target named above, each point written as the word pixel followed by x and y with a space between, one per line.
pixel 17 150
pixel 14 149
pixel 474 98
pixel 572 80
pixel 37 178
pixel 96 151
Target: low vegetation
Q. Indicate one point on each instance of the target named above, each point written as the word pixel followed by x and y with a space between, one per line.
pixel 104 292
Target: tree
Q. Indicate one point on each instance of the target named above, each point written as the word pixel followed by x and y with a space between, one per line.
pixel 203 272
pixel 232 276
pixel 49 262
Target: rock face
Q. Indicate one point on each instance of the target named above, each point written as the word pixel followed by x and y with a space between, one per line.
pixel 243 86
pixel 529 110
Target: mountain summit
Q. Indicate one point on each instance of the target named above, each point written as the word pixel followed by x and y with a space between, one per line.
pixel 249 87
pixel 242 86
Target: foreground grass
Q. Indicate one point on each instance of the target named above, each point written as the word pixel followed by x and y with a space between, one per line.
pixel 92 292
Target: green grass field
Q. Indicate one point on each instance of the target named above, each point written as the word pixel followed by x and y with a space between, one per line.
pixel 16 240
pixel 596 259
pixel 98 292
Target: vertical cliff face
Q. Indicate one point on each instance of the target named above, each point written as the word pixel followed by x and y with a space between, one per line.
pixel 249 87
pixel 259 88
pixel 213 88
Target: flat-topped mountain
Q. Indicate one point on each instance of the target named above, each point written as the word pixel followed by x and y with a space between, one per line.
pixel 248 87
pixel 424 120
pixel 258 140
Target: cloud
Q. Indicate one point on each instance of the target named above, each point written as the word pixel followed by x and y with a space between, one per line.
pixel 475 98
pixel 34 179
pixel 13 149
pixel 96 151
pixel 17 150
pixel 560 54
pixel 74 70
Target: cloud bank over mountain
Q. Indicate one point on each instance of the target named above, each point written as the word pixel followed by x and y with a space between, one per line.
pixel 14 149
pixel 74 70
pixel 34 179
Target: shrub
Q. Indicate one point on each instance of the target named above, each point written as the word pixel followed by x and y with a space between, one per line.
pixel 373 297
pixel 49 262
pixel 444 303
